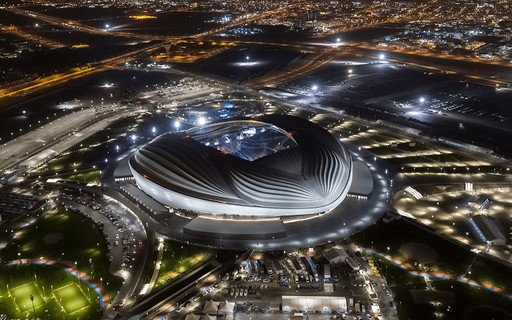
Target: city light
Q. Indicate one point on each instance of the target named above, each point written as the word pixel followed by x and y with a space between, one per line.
pixel 328 132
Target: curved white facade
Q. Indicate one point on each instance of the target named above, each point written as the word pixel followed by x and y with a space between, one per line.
pixel 274 166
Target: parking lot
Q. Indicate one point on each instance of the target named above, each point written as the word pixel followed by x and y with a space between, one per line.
pixel 259 284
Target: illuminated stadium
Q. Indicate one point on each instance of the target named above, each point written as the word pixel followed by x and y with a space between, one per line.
pixel 271 166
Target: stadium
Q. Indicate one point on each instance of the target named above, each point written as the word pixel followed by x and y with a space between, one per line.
pixel 264 167
pixel 268 182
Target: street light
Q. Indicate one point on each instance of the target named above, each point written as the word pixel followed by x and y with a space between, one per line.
pixel 33 308
pixel 382 56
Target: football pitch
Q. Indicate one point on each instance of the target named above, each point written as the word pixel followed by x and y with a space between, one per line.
pixel 24 294
pixel 71 298
pixel 68 299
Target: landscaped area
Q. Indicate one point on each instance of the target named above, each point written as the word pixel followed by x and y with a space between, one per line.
pixel 178 259
pixel 404 261
pixel 55 250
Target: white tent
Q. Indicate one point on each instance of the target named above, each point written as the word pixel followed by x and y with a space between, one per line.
pixel 192 317
pixel 314 303
pixel 211 307
pixel 227 307
pixel 208 317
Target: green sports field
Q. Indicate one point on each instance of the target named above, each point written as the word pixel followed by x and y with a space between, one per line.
pixel 72 298
pixel 56 294
pixel 22 296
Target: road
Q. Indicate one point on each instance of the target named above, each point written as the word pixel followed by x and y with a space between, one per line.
pixel 43 83
pixel 294 71
pixel 78 26
pixel 34 147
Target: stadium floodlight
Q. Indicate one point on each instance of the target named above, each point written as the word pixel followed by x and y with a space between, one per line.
pixel 201 121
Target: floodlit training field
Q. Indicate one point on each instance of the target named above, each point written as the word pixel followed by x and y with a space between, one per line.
pixel 71 298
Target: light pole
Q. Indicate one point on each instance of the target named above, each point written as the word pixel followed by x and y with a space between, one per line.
pixel 33 307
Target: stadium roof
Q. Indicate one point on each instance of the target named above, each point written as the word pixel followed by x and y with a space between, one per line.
pixel 284 165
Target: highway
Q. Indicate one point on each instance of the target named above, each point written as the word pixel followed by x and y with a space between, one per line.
pixel 78 26
pixel 494 72
pixel 294 71
pixel 62 77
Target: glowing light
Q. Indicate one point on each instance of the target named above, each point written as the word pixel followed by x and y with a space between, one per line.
pixel 201 121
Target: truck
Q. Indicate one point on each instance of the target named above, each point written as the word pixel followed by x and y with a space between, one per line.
pixel 327 272
pixel 357 307
pixel 353 264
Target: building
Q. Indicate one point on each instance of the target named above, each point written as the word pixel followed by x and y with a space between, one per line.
pixel 300 184
pixel 312 304
pixel 336 255
pixel 352 263
pixel 272 166
pixel 488 229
